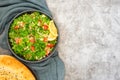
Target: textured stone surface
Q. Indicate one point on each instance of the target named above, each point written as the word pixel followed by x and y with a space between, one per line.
pixel 89 38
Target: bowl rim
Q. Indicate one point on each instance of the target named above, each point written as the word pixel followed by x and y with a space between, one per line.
pixel 20 58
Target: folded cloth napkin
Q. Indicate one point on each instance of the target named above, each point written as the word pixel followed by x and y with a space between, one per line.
pixel 50 69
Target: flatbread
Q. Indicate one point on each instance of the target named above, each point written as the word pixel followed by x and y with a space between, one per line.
pixel 12 69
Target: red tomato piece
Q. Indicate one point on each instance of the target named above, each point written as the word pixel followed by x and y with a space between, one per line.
pixel 50 45
pixel 45 27
pixel 39 23
pixel 45 39
pixel 32 39
pixel 32 48
pixel 18 40
pixel 16 27
pixel 47 50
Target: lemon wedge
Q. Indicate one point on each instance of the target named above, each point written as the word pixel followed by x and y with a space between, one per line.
pixel 52 28
pixel 53 31
pixel 51 37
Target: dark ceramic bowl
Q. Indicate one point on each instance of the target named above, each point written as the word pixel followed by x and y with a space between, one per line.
pixel 20 58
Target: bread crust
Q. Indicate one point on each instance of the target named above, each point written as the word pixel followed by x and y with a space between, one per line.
pixel 12 68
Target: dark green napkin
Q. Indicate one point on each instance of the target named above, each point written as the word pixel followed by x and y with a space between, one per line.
pixel 50 69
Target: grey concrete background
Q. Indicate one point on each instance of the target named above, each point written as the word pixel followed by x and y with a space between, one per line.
pixel 89 38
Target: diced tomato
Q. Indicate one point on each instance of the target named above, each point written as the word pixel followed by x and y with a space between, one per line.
pixel 50 45
pixel 18 40
pixel 47 50
pixel 45 27
pixel 32 48
pixel 39 23
pixel 32 39
pixel 45 39
pixel 16 27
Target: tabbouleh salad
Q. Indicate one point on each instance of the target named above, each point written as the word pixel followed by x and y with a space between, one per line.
pixel 32 36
